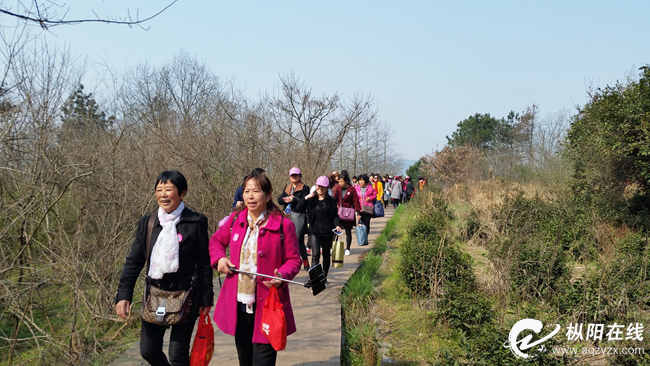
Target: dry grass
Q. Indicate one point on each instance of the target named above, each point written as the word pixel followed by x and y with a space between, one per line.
pixel 487 197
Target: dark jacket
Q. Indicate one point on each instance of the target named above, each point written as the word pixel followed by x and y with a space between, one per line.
pixel 323 216
pixel 298 195
pixel 409 188
pixel 193 256
pixel 239 196
pixel 351 200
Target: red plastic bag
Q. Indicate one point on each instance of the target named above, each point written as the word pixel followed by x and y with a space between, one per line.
pixel 274 324
pixel 203 346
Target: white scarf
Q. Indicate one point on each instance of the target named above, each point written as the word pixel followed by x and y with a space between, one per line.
pixel 248 262
pixel 164 256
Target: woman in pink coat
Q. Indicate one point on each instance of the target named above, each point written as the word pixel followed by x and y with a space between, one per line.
pixel 367 196
pixel 254 237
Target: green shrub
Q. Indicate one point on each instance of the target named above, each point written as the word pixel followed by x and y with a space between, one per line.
pixel 467 311
pixel 533 248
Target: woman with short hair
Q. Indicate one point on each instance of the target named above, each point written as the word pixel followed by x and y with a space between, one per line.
pixel 178 251
pixel 367 196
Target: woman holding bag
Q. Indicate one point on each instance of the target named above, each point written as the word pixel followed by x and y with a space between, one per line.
pixel 289 199
pixel 179 250
pixel 261 240
pixel 346 197
pixel 323 217
pixel 367 196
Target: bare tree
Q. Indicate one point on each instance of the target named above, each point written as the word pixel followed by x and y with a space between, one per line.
pixel 317 125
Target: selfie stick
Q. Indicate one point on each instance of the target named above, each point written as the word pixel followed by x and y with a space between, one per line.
pixel 306 284
pixel 316 280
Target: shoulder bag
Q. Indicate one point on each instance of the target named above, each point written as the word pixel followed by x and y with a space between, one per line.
pixel 164 307
pixel 345 213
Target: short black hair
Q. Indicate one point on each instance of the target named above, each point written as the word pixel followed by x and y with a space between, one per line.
pixel 175 177
pixel 365 178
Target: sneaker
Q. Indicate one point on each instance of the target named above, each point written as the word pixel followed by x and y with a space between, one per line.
pixel 347 252
pixel 306 264
pixel 326 283
pixel 309 251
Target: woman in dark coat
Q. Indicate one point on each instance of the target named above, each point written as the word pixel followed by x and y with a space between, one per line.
pixel 323 218
pixel 179 249
pixel 346 196
pixel 293 193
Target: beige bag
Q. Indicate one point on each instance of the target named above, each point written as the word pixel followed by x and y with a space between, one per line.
pixel 338 252
pixel 166 307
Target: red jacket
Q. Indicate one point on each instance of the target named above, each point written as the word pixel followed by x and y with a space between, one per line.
pixel 270 252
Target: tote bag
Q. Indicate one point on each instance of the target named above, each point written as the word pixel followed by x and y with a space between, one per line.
pixel 362 234
pixel 203 346
pixel 338 252
pixel 274 324
pixel 378 209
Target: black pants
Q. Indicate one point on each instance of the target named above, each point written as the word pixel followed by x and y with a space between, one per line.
pixel 249 353
pixel 151 342
pixel 319 242
pixel 300 233
pixel 348 237
pixel 396 202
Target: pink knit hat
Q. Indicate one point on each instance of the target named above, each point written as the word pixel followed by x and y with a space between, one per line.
pixel 323 181
pixel 294 170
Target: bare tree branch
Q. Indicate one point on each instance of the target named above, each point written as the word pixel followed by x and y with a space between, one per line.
pixel 44 21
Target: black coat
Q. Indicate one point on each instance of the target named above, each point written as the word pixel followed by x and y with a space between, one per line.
pixel 323 216
pixel 298 196
pixel 193 256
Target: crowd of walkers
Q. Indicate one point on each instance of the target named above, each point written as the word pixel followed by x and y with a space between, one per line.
pixel 258 237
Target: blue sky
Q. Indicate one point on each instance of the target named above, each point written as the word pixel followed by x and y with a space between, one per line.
pixel 428 64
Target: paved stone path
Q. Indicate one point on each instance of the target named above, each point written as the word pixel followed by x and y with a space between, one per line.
pixel 318 318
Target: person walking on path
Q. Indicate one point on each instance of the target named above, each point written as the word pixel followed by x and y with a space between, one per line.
pixel 396 191
pixel 323 217
pixel 346 196
pixel 292 194
pixel 409 190
pixel 367 196
pixel 179 250
pixel 378 186
pixel 261 240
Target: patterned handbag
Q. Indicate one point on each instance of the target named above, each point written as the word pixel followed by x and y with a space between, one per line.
pixel 164 307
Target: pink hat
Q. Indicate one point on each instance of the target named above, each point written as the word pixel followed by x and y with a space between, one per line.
pixel 323 181
pixel 294 170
